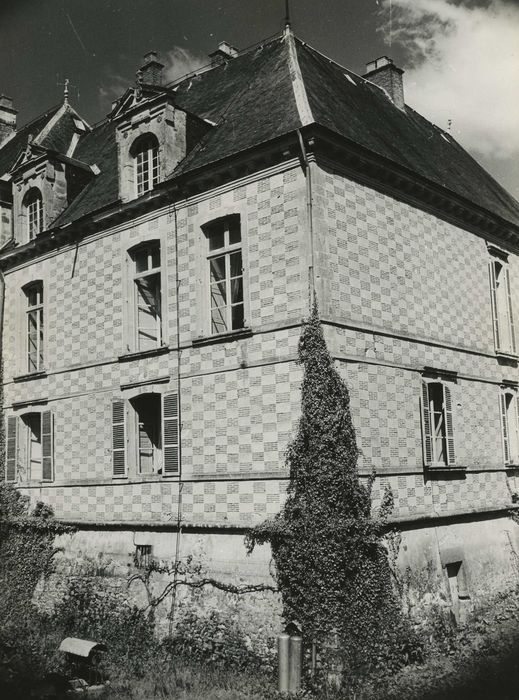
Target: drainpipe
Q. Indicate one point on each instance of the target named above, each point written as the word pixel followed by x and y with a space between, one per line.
pixel 2 422
pixel 307 171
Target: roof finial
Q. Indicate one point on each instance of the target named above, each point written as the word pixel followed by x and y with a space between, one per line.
pixel 65 91
pixel 287 14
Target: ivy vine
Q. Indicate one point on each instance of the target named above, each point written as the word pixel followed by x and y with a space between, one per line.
pixel 332 568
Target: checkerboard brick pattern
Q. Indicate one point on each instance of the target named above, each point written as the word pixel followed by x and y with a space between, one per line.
pixel 399 267
pixel 379 263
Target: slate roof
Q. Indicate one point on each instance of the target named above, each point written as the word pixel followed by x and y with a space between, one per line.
pixel 251 100
pixel 12 149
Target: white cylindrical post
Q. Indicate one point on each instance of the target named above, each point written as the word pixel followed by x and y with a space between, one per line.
pixel 296 663
pixel 283 662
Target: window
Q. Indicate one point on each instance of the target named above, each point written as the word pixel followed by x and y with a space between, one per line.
pixel 33 204
pixel 437 424
pixel 225 274
pixel 145 153
pixel 143 556
pixel 30 446
pixel 148 432
pixel 34 326
pixel 509 408
pixel 145 435
pixel 147 284
pixel 501 299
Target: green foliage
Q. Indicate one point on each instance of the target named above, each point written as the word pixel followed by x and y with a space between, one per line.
pixel 92 611
pixel 215 638
pixel 332 568
pixel 26 550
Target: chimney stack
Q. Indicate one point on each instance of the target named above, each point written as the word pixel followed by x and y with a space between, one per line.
pixel 7 118
pixel 383 72
pixel 223 53
pixel 151 71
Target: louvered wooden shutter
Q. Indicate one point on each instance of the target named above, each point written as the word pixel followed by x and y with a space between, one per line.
pixel 493 297
pixel 118 437
pixel 426 426
pixel 510 314
pixel 449 428
pixel 170 434
pixel 47 446
pixel 504 428
pixel 12 449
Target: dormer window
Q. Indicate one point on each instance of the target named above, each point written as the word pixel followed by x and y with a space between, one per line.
pixel 33 203
pixel 145 152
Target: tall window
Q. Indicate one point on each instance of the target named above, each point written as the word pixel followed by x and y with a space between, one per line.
pixel 146 157
pixel 34 326
pixel 509 408
pixel 501 298
pixel 437 424
pixel 147 283
pixel 30 446
pixel 225 274
pixel 33 204
pixel 146 435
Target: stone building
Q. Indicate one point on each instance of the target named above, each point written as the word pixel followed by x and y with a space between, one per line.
pixel 157 268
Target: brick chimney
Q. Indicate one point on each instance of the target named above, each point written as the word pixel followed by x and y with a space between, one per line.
pixel 151 71
pixel 383 72
pixel 223 53
pixel 7 118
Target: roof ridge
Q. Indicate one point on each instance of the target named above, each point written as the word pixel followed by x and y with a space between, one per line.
pixel 298 84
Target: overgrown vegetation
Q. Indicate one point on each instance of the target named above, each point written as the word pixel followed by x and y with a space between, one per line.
pixel 332 568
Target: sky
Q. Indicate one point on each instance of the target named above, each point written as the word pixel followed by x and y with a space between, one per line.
pixel 461 57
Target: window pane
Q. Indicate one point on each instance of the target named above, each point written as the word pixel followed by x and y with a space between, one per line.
pixel 216 240
pixel 141 260
pixel 148 311
pixel 237 290
pixel 218 322
pixel 237 316
pixel 218 294
pixel 155 256
pixel 234 231
pixel 217 266
pixel 236 266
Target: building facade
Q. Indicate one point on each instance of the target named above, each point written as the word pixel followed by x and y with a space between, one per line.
pixel 156 271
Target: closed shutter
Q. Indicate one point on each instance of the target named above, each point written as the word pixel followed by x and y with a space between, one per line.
pixel 47 446
pixel 449 428
pixel 12 449
pixel 504 428
pixel 510 314
pixel 118 437
pixel 493 298
pixel 170 434
pixel 426 426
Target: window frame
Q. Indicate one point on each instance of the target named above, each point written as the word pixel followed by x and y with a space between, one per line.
pixel 505 341
pixel 429 441
pixel 36 286
pixel 33 210
pixel 145 153
pixel 509 415
pixel 147 247
pixel 217 227
pixel 19 450
pixel 125 436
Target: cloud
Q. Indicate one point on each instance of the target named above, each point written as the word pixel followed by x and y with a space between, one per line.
pixel 463 65
pixel 180 61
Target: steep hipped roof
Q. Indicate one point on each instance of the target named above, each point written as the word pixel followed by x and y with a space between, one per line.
pixel 278 87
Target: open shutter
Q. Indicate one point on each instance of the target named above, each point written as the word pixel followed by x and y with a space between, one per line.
pixel 449 428
pixel 426 426
pixel 493 298
pixel 170 434
pixel 12 449
pixel 47 446
pixel 504 428
pixel 118 437
pixel 510 314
